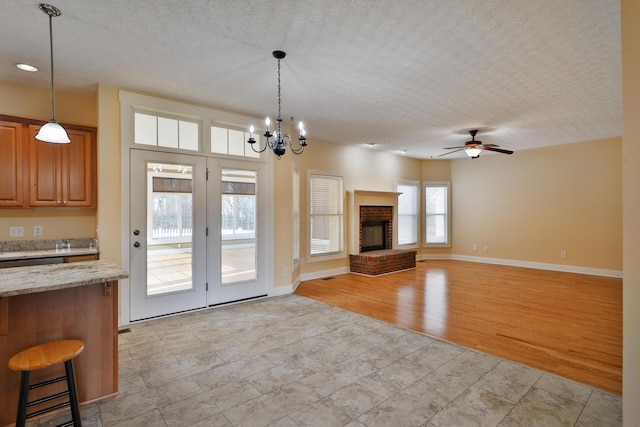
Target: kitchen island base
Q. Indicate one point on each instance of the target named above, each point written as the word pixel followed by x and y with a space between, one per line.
pixel 86 313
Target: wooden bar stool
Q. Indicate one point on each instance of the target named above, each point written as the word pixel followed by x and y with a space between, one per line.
pixel 40 357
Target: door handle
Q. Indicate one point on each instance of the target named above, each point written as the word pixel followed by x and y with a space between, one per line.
pixel 136 244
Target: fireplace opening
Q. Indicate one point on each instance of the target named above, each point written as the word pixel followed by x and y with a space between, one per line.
pixel 374 235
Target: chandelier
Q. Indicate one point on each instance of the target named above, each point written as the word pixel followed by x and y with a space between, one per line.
pixel 278 140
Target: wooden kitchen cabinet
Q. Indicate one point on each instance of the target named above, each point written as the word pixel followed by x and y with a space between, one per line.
pixel 12 165
pixel 63 175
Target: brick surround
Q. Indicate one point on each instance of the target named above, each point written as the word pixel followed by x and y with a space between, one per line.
pixel 384 261
pixel 377 213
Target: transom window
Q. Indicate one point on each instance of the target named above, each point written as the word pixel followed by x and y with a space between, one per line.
pixel 232 142
pixel 159 131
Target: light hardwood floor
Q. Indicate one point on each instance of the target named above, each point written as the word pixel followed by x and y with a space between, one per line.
pixel 563 323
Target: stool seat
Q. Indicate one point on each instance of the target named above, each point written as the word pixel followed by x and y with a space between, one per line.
pixel 40 357
pixel 45 355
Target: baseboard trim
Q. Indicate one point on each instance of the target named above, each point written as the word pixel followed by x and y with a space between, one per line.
pixel 324 273
pixel 528 264
pixel 277 291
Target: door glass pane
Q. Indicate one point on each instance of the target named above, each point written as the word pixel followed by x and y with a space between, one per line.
pixel 238 226
pixel 170 222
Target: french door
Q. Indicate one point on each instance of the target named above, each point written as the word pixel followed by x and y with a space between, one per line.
pixel 167 233
pixel 198 232
pixel 237 256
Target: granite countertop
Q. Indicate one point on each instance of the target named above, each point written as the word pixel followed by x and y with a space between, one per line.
pixel 46 253
pixel 49 277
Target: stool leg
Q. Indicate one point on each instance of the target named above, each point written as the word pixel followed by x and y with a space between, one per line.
pixel 73 393
pixel 21 417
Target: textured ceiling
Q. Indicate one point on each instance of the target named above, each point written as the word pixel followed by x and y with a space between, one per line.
pixel 403 75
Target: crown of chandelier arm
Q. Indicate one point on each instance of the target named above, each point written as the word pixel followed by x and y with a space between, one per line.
pixel 278 141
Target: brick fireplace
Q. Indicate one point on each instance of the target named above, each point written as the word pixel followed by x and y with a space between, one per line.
pixel 374 221
pixel 374 235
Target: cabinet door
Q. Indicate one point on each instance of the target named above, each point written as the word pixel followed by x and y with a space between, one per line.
pixel 78 170
pixel 63 175
pixel 11 165
pixel 45 187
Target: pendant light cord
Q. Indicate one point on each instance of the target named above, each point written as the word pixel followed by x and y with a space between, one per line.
pixel 53 93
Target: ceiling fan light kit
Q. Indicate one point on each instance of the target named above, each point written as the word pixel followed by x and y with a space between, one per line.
pixel 473 148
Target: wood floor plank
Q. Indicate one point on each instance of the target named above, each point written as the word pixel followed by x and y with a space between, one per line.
pixel 563 323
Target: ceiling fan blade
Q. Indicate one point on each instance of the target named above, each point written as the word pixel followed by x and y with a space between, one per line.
pixel 498 150
pixel 458 149
pixel 453 148
pixel 490 145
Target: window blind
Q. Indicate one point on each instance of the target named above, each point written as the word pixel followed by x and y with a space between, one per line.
pixel 326 214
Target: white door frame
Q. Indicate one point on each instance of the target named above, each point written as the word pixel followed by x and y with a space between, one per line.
pixel 129 102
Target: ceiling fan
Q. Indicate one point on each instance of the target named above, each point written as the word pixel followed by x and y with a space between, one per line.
pixel 473 148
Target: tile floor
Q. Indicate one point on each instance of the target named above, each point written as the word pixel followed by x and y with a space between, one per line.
pixel 291 361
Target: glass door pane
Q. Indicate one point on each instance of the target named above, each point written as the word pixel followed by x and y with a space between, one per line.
pixel 170 219
pixel 238 226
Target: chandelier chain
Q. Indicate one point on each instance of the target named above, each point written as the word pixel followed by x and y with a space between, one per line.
pixel 279 116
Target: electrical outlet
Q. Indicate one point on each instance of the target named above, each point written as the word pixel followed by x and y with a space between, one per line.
pixel 37 230
pixel 16 231
pixel 475 247
pixel 563 254
pixel 285 272
pixel 485 248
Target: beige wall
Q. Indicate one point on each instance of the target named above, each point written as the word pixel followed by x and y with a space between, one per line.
pixel 30 102
pixel 109 174
pixel 631 211
pixel 534 204
pixel 362 169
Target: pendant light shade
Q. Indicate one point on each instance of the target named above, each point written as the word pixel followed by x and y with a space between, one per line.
pixel 52 131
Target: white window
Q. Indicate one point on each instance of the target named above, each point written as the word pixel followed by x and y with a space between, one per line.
pixel 295 217
pixel 408 212
pixel 152 129
pixel 232 142
pixel 326 216
pixel 437 218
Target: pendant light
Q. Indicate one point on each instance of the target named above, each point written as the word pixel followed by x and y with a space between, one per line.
pixel 52 131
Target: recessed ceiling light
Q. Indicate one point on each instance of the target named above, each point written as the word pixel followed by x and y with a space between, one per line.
pixel 27 67
pixel 371 145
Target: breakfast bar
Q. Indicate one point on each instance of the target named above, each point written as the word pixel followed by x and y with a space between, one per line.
pixel 67 301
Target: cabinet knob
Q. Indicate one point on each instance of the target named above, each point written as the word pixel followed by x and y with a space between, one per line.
pixel 58 201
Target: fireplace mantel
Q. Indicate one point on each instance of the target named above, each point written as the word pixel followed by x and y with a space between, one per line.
pixel 357 198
